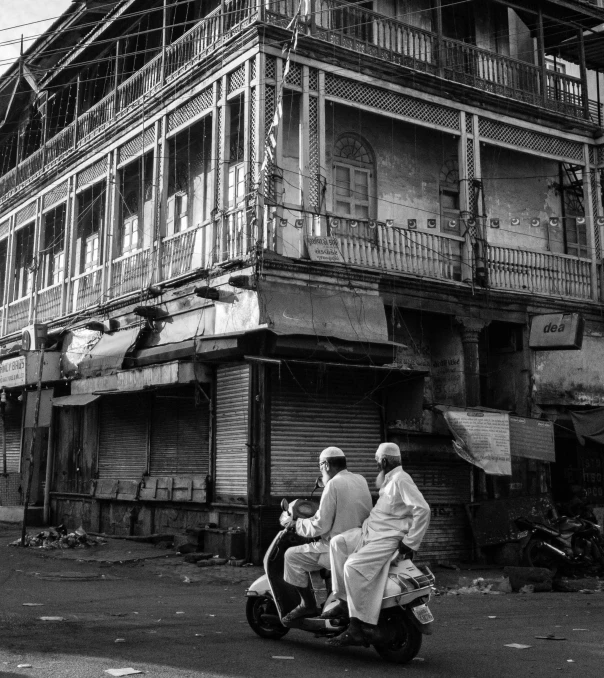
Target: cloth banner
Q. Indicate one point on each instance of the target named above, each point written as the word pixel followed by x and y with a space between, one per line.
pixel 482 438
pixel 589 425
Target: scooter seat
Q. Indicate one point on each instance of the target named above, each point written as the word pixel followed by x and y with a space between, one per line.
pixel 568 524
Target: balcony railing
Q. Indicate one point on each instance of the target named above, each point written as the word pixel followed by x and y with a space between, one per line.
pixel 18 315
pixel 557 275
pixel 48 305
pixel 130 273
pixel 87 289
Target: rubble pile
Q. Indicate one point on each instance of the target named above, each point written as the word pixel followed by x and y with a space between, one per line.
pixel 60 538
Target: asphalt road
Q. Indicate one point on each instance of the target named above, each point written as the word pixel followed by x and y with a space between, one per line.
pixel 172 629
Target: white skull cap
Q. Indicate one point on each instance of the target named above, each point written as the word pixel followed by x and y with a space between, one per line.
pixel 388 450
pixel 330 452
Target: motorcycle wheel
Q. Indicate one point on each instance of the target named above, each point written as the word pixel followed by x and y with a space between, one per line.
pixel 257 606
pixel 407 642
pixel 535 556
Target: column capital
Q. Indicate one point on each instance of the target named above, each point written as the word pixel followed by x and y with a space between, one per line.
pixel 470 328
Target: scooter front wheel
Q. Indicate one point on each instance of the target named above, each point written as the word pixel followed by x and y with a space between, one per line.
pixel 535 555
pixel 255 609
pixel 406 638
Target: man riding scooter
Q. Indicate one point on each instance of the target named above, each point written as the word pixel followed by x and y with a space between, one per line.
pixel 360 558
pixel 345 504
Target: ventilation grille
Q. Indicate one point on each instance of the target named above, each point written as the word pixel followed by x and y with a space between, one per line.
pixel 313 79
pixel 253 69
pixel 529 140
pixel 237 78
pixel 192 108
pixel 4 228
pixel 56 195
pixel 595 205
pixel 384 100
pixel 313 160
pixel 26 214
pixel 93 172
pixel 135 146
pixel 252 135
pixel 469 126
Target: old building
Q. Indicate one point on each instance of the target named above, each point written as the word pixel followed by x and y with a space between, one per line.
pixel 253 229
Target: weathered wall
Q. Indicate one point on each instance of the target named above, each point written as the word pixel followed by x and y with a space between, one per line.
pixel 571 377
pixel 522 186
pixel 409 161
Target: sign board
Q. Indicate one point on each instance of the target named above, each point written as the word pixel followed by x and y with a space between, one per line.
pixel 532 438
pixel 45 414
pixel 12 372
pixel 325 249
pixel 483 439
pixel 556 332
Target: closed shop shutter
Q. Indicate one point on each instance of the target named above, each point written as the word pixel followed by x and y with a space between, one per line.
pixel 180 432
pixel 123 436
pixel 312 409
pixel 232 408
pixel 13 437
pixel 444 480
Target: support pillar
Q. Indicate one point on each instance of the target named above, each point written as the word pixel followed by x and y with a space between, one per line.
pixel 470 329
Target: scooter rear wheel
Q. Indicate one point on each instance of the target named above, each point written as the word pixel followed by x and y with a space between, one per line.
pixel 407 638
pixel 536 556
pixel 257 606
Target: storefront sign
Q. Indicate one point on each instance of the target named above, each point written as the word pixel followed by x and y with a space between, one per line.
pixel 556 331
pixel 483 439
pixel 532 438
pixel 324 249
pixel 12 372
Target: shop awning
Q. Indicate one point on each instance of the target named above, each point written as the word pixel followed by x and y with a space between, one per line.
pixel 108 355
pixel 301 309
pixel 589 425
pixel 75 400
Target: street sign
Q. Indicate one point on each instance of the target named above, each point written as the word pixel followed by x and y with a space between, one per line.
pixel 12 372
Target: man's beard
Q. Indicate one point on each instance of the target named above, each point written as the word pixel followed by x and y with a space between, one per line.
pixel 379 480
pixel 325 477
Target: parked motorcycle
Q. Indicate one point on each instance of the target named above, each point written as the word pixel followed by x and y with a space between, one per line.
pixel 574 543
pixel 405 615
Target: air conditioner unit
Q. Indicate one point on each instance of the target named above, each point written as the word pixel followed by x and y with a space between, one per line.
pixel 33 336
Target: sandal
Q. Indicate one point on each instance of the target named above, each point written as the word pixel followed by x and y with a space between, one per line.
pixel 345 639
pixel 299 612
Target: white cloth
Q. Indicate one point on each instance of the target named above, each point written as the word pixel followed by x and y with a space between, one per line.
pixel 360 558
pixel 345 503
pixel 299 560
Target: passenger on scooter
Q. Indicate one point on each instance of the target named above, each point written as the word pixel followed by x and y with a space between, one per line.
pixel 360 558
pixel 345 503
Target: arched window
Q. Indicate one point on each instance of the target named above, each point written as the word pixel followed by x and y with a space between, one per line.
pixel 354 178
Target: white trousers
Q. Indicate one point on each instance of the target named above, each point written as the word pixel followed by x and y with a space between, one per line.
pixel 359 572
pixel 300 560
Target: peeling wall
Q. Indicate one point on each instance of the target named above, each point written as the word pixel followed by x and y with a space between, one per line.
pixel 571 377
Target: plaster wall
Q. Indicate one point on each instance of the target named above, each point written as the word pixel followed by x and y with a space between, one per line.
pixel 408 163
pixel 522 186
pixel 571 377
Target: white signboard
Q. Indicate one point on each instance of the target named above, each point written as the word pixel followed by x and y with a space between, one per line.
pixel 324 249
pixel 483 439
pixel 12 372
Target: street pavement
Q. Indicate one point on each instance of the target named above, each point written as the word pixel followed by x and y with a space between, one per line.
pixel 174 620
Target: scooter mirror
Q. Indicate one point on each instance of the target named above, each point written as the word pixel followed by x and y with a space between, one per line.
pixel 284 505
pixel 319 485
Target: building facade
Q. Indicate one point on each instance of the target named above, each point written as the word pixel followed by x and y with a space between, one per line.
pixel 254 229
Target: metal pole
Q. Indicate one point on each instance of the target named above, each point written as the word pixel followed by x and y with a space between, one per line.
pixel 48 480
pixel 3 412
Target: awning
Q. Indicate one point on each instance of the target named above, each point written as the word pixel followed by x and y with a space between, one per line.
pixel 75 400
pixel 108 355
pixel 589 425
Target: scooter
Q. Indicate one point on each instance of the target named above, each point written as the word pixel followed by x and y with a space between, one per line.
pixel 404 617
pixel 574 543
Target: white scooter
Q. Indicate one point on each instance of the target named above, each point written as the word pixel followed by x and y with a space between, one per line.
pixel 405 615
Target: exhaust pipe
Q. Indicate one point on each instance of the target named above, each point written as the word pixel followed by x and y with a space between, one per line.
pixel 556 551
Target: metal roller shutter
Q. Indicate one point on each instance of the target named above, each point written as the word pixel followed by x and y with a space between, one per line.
pixel 232 416
pixel 444 480
pixel 13 438
pixel 312 409
pixel 179 437
pixel 123 422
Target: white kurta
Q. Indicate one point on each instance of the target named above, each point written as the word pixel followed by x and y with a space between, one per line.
pixel 345 504
pixel 360 558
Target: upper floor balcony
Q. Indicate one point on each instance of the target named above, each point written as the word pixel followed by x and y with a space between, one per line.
pixel 352 27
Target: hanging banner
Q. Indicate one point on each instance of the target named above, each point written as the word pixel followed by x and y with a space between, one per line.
pixel 483 439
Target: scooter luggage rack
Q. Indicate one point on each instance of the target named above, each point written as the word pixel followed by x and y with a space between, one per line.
pixel 426 580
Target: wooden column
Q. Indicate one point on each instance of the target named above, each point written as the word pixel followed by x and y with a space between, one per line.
pixel 465 196
pixel 440 52
pixel 109 223
pixel 541 55
pixel 593 240
pixel 71 236
pixel 67 247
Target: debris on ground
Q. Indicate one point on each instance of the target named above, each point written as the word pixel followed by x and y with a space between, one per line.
pixel 518 646
pixel 52 618
pixel 495 586
pixel 122 672
pixel 550 636
pixel 540 578
pixel 579 585
pixel 60 538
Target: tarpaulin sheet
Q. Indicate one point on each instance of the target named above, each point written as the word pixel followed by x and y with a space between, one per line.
pixel 589 425
pixel 108 355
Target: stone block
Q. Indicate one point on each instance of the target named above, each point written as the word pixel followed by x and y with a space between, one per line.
pixel 196 557
pixel 540 578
